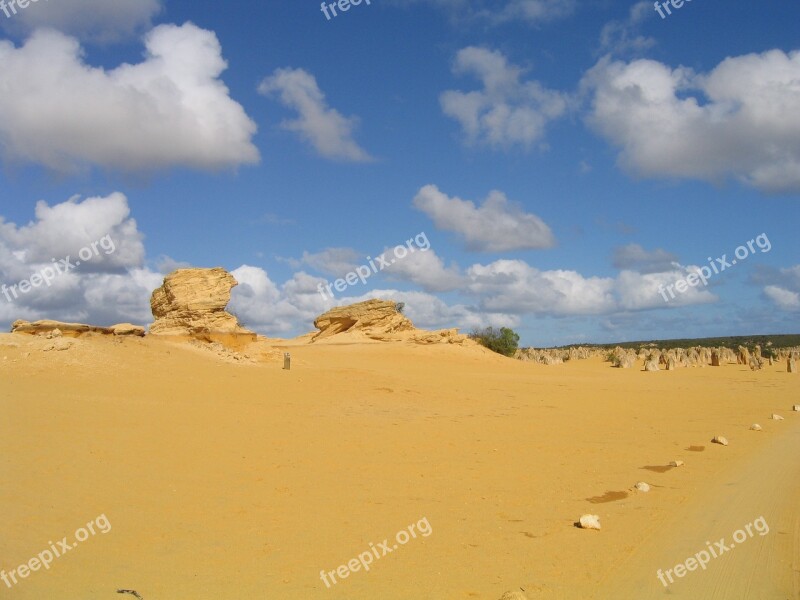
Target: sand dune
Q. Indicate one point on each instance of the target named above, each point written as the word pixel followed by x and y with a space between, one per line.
pixel 225 479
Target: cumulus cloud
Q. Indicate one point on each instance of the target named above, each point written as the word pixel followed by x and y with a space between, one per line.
pixel 327 130
pixel 507 111
pixel 425 269
pixel 495 226
pixel 783 298
pixel 740 120
pixel 784 286
pixel 65 228
pixel 516 287
pixel 93 20
pixel 272 309
pixel 636 258
pixel 641 291
pixel 112 286
pixel 169 110
pixel 428 311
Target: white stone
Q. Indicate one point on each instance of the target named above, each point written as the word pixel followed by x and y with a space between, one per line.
pixel 590 522
pixel 777 417
pixel 676 463
pixel 718 439
pixel 755 427
pixel 642 487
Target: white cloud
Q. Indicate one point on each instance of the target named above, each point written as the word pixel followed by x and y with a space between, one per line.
pixel 740 120
pixel 514 286
pixel 169 110
pixel 428 311
pixel 94 20
pixel 495 226
pixel 119 298
pixel 64 229
pixel 112 286
pixel 640 291
pixel 784 288
pixel 323 127
pixel 425 269
pixel 636 258
pixel 267 308
pixel 783 298
pixel 506 111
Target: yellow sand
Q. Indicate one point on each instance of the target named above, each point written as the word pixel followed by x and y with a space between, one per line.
pixel 238 481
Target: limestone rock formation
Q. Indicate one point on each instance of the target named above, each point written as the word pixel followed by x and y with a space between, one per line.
pixel 651 365
pixel 441 336
pixel 743 356
pixel 380 320
pixel 542 356
pixel 721 440
pixel 791 365
pixel 373 317
pixel 715 359
pixel 624 362
pixel 58 329
pixel 191 303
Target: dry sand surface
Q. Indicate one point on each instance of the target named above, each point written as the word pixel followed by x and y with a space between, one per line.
pixel 226 480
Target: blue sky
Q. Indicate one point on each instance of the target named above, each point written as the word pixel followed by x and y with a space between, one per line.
pixel 567 161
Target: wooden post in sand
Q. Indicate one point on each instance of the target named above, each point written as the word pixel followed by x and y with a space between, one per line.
pixel 287 361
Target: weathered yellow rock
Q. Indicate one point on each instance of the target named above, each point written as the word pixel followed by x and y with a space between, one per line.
pixel 59 329
pixel 192 303
pixel 373 317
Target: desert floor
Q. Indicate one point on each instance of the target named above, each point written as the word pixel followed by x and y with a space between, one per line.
pixel 242 481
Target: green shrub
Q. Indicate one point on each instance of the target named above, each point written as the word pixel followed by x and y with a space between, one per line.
pixel 503 341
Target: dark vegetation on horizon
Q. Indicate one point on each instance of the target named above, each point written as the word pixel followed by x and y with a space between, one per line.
pixel 749 341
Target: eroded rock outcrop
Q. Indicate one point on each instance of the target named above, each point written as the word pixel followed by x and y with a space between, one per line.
pixel 57 329
pixel 373 317
pixel 191 303
pixel 380 320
